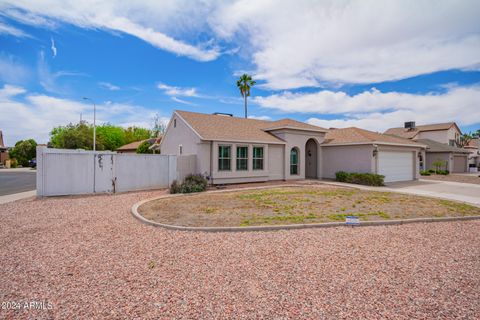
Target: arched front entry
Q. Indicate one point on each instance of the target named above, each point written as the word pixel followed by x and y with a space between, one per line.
pixel 311 159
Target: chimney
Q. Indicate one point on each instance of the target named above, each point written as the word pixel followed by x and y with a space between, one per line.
pixel 410 125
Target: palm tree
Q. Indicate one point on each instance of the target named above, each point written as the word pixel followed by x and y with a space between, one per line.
pixel 244 84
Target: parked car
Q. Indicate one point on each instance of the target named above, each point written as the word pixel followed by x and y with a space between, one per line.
pixel 32 163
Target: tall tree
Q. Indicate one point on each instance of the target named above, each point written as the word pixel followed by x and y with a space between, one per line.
pixel 244 84
pixel 465 139
pixel 24 151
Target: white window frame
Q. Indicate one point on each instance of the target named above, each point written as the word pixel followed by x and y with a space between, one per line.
pixel 222 158
pixel 237 158
pixel 262 158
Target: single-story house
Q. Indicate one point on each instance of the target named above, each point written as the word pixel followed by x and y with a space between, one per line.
pixel 454 159
pixel 133 146
pixel 3 150
pixel 235 150
pixel 442 139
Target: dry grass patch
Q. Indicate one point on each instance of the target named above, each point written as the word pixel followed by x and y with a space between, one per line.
pixel 295 205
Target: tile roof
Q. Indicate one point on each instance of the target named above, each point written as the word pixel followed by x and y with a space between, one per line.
pixel 226 128
pixel 293 124
pixel 410 133
pixel 473 144
pixel 134 145
pixel 356 135
pixel 434 146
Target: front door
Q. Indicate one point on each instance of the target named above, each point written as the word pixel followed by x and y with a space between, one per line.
pixel 311 159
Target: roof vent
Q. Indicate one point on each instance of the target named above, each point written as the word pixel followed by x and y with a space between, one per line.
pixel 410 125
pixel 223 114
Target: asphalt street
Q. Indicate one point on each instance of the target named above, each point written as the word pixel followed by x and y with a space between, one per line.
pixel 16 181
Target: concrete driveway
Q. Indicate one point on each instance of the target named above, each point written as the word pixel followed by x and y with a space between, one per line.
pixel 464 192
pixel 17 180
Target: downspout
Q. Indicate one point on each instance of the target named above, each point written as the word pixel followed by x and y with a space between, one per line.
pixel 211 162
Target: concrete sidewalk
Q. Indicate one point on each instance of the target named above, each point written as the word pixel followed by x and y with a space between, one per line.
pixel 17 196
pixel 463 192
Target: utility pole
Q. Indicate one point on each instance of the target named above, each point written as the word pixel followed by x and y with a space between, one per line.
pixel 94 125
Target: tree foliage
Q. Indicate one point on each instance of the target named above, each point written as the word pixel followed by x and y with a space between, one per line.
pixel 244 84
pixel 109 137
pixel 465 139
pixel 24 151
pixel 144 147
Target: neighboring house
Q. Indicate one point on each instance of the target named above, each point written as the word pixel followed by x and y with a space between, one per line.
pixel 156 144
pixel 446 134
pixel 132 147
pixel 454 159
pixel 3 150
pixel 235 150
pixel 473 148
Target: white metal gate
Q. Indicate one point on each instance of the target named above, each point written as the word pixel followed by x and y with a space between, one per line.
pixel 67 172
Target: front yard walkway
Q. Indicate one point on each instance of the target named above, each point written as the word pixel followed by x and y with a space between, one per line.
pixel 90 258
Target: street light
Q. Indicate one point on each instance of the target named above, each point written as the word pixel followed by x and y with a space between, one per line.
pixel 94 118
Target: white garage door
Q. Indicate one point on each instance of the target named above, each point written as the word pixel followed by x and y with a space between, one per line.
pixel 395 166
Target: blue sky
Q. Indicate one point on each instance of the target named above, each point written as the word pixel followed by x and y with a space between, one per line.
pixel 330 63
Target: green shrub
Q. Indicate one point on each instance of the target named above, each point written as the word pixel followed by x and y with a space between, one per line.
pixel 431 171
pixel 192 183
pixel 175 187
pixel 341 176
pixel 368 179
pixel 425 173
pixel 443 172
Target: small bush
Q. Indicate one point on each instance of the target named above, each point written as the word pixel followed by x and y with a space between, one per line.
pixel 431 171
pixel 192 183
pixel 425 173
pixel 175 187
pixel 443 172
pixel 341 176
pixel 368 179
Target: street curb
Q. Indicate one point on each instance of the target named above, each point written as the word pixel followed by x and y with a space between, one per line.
pixel 137 215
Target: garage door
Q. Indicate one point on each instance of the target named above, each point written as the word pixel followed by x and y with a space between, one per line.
pixel 459 164
pixel 396 166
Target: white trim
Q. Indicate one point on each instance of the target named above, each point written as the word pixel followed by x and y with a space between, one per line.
pixel 373 143
pixel 245 141
pixel 294 128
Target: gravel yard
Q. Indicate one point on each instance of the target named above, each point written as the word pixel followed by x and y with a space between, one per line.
pixel 90 258
pixel 474 178
pixel 295 205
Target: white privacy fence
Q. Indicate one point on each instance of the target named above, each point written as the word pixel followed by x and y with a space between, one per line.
pixel 67 172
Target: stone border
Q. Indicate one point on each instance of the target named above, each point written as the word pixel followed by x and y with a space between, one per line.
pixel 137 215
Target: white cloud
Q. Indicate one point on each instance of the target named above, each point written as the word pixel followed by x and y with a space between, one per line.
pixel 177 91
pixel 27 115
pixel 259 117
pixel 310 43
pixel 291 44
pixel 6 29
pixel 109 86
pixel 147 20
pixel 53 48
pixel 12 71
pixel 183 101
pixel 376 110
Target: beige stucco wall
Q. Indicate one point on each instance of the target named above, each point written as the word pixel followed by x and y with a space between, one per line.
pixel 442 156
pixel 276 162
pixel 442 136
pixel 298 139
pixel 183 135
pixel 354 158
